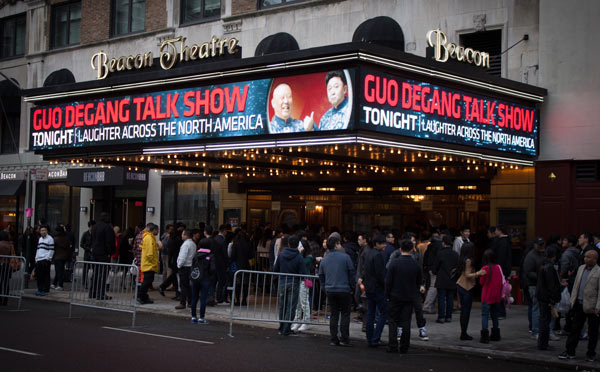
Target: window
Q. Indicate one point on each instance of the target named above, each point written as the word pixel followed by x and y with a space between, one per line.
pixel 66 24
pixel 198 10
pixel 486 41
pixel 10 116
pixel 190 201
pixel 12 34
pixel 10 134
pixel 128 16
pixel 271 3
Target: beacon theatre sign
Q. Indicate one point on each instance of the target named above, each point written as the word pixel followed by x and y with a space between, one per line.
pixel 443 50
pixel 171 51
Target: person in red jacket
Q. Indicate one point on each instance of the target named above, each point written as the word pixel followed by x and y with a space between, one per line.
pixel 491 296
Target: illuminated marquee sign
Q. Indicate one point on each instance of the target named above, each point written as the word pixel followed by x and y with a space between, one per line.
pixel 421 110
pixel 288 104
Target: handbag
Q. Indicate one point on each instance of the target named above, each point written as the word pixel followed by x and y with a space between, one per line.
pixel 308 283
pixel 565 301
pixel 133 270
pixel 506 291
pixel 15 263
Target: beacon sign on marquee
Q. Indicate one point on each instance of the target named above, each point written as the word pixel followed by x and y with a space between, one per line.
pixel 431 112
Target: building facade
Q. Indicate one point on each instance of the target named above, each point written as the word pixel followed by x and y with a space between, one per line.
pixel 538 43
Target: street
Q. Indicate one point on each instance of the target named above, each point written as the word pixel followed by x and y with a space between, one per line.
pixel 41 337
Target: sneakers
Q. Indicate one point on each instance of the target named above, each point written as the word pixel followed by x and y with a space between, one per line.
pixel 52 286
pixel 304 327
pixel 554 337
pixel 295 327
pixel 590 359
pixel 565 355
pixel 423 334
pixel 194 319
pixel 202 321
pixel 59 288
pixel 533 337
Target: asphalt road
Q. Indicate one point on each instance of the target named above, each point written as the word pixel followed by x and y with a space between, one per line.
pixel 42 338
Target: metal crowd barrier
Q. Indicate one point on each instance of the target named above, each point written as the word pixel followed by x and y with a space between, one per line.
pixel 107 286
pixel 277 298
pixel 12 278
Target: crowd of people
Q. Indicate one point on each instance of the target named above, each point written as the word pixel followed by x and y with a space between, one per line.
pixel 384 275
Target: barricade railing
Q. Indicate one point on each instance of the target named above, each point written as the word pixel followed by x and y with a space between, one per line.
pixel 107 286
pixel 277 298
pixel 12 278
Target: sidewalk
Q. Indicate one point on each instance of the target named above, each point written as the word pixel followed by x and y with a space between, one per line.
pixel 516 344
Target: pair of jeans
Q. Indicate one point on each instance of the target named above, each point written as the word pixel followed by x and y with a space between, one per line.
pixel 376 308
pixel 59 273
pixel 466 302
pixel 200 289
pixel 445 303
pixel 288 301
pixel 184 284
pixel 42 273
pixel 486 310
pixel 399 315
pixel 579 318
pixel 419 316
pixel 339 303
pixel 98 285
pixel 431 296
pixel 544 324
pixel 146 284
pixel 221 283
pixel 535 311
pixel 303 308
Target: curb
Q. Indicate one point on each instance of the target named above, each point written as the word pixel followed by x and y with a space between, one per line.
pixel 422 345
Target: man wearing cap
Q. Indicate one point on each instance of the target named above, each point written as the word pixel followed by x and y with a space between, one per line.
pixel 531 265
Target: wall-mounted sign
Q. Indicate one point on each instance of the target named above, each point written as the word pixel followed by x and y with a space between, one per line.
pixel 57 174
pixel 443 50
pixel 90 177
pixel 426 205
pixel 471 206
pixel 13 176
pixel 172 51
pixel 432 112
pixel 39 174
pixel 275 206
pixel 289 104
pixel 311 205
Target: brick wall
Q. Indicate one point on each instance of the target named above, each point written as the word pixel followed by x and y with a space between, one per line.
pixel 95 20
pixel 156 15
pixel 243 6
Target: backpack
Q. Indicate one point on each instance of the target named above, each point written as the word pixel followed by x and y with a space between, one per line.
pixel 203 265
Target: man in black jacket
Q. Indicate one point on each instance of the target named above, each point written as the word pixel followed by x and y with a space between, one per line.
pixel 547 293
pixel 446 270
pixel 374 282
pixel 86 244
pixel 173 246
pixel 531 265
pixel 102 246
pixel 402 283
pixel 503 249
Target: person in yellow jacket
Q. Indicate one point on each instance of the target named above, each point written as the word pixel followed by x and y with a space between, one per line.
pixel 149 264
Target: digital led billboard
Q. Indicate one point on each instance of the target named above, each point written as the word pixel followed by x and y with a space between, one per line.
pixel 427 111
pixel 310 102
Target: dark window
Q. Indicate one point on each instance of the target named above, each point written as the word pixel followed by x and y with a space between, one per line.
pixel 198 10
pixel 12 34
pixel 486 41
pixel 271 3
pixel 9 130
pixel 66 24
pixel 190 201
pixel 128 16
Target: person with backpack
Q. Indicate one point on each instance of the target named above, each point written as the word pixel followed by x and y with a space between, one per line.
pixel 184 267
pixel 202 273
pixel 289 262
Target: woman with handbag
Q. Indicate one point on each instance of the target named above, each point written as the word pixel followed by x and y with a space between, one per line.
pixel 491 297
pixel 303 312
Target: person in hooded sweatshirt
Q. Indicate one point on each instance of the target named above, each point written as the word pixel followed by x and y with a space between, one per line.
pixel 289 261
